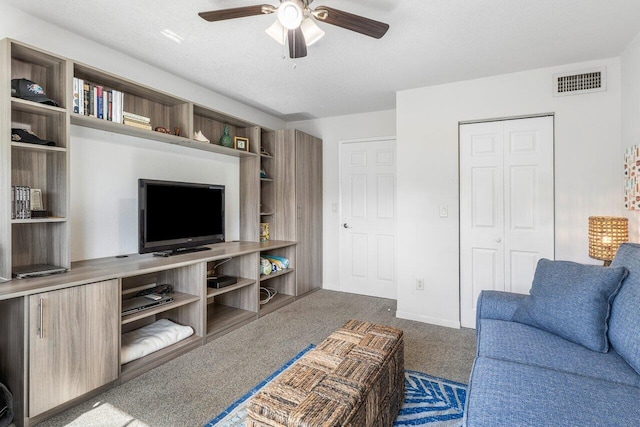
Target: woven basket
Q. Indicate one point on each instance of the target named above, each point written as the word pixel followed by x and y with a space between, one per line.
pixel 353 378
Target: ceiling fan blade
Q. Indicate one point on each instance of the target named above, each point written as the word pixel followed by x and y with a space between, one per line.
pixel 237 12
pixel 352 22
pixel 297 44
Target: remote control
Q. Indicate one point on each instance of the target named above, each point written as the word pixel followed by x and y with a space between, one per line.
pixel 154 297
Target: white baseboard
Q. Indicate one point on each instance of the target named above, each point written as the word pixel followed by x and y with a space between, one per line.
pixel 427 319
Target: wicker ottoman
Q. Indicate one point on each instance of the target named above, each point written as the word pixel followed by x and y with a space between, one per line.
pixel 353 378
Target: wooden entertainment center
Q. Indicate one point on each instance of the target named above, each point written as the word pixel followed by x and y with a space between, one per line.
pixel 60 334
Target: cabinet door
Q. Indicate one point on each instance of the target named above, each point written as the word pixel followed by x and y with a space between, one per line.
pixel 308 212
pixel 73 343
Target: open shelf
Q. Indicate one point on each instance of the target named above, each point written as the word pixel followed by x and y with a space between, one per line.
pixel 37 147
pixel 106 125
pixel 179 299
pixel 38 220
pixel 265 277
pixel 280 300
pixel 212 292
pixel 221 318
pixel 19 104
pixel 156 358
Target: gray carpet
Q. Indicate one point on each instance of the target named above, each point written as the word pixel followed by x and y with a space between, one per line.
pixel 192 389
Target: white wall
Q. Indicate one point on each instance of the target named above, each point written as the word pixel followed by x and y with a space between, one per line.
pixel 588 172
pixel 630 64
pixel 332 130
pixel 105 167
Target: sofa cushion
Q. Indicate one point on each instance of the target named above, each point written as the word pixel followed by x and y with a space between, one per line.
pixel 516 342
pixel 503 393
pixel 572 300
pixel 624 325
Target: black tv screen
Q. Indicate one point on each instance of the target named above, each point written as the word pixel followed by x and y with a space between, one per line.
pixel 175 216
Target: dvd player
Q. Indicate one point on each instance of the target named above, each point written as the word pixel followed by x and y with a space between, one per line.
pixel 135 304
pixel 221 281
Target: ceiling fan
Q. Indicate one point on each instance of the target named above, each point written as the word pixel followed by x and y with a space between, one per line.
pixel 295 23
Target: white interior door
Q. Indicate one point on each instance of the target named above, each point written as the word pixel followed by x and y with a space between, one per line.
pixel 368 218
pixel 506 206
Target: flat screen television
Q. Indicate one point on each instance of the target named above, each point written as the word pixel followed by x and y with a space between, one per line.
pixel 179 216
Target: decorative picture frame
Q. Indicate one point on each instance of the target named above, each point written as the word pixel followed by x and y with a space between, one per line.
pixel 632 178
pixel 240 143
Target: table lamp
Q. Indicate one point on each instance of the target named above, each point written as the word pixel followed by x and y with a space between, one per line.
pixel 606 234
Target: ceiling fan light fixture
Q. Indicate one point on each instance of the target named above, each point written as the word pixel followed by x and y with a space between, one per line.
pixel 312 33
pixel 290 14
pixel 277 32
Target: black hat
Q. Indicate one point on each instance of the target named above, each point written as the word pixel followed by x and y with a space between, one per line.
pixel 23 135
pixel 26 89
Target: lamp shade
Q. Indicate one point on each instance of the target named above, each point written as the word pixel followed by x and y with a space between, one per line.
pixel 290 14
pixel 606 234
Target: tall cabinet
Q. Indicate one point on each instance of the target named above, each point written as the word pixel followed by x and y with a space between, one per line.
pixel 299 203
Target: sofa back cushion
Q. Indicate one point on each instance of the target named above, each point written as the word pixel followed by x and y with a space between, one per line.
pixel 624 325
pixel 572 301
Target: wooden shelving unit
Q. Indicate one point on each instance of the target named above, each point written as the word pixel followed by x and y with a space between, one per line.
pixel 283 281
pixel 232 306
pixel 42 240
pixel 210 312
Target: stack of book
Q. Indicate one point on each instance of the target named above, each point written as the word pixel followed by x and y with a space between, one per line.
pixel 97 101
pixel 136 120
pixel 20 202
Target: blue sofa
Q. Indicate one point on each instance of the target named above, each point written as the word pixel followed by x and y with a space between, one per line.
pixel 541 372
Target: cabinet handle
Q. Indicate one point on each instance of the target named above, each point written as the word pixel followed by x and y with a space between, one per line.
pixel 299 212
pixel 40 319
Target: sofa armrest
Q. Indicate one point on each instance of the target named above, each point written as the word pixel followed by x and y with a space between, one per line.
pixel 498 305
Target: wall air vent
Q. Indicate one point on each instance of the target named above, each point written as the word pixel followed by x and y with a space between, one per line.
pixel 575 83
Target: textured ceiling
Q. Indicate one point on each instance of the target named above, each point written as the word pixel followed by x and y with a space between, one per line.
pixel 429 42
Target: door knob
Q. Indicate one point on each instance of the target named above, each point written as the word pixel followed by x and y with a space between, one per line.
pixel 498 240
pixel 345 225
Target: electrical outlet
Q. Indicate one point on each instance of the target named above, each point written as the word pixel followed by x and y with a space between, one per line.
pixel 420 284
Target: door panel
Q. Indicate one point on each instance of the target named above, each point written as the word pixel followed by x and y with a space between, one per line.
pixel 506 206
pixel 73 343
pixel 368 211
pixel 360 250
pixel 523 203
pixel 484 195
pixel 486 267
pixel 359 196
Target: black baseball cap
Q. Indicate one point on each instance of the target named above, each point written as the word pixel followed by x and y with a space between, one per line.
pixel 23 135
pixel 26 89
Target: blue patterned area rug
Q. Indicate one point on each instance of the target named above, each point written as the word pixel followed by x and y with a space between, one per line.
pixel 428 401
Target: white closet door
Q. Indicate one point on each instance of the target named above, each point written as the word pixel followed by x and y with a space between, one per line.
pixel 506 206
